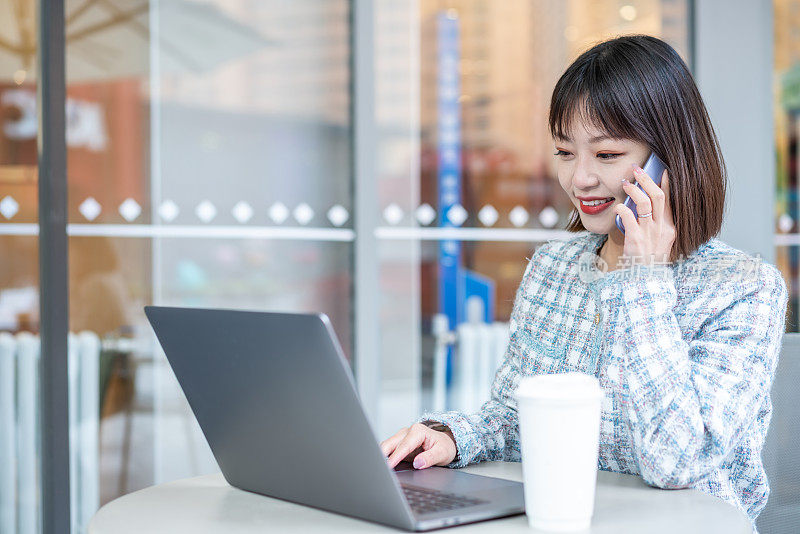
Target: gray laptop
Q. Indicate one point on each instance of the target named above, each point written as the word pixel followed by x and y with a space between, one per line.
pixel 276 401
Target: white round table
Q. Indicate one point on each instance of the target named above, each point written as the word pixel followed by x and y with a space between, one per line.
pixel 208 504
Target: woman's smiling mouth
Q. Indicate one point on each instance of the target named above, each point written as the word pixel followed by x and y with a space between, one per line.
pixel 594 205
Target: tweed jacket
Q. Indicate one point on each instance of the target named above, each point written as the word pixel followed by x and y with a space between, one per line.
pixel 685 353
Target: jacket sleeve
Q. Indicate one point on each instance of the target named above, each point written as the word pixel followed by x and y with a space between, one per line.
pixel 493 432
pixel 689 402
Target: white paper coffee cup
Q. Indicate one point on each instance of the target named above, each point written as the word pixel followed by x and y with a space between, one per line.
pixel 559 420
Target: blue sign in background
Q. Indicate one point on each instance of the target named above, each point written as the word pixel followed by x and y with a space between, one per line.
pixel 456 284
pixel 449 176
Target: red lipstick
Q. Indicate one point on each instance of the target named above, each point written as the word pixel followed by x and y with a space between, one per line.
pixel 593 210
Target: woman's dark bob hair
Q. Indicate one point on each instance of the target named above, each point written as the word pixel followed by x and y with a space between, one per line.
pixel 637 87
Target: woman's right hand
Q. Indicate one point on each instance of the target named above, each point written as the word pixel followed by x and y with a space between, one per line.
pixel 423 445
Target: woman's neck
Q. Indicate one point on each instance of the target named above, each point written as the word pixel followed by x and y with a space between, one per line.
pixel 611 250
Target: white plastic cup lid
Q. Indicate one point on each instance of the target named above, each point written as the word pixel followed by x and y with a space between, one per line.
pixel 559 386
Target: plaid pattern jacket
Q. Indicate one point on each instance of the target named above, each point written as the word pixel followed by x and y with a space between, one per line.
pixel 685 353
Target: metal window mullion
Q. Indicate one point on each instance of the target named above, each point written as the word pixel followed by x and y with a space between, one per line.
pixel 53 300
pixel 365 265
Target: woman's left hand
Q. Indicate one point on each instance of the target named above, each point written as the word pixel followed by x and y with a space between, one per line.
pixel 648 240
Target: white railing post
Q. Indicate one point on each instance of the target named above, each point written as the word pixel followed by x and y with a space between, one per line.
pixel 73 371
pixel 19 431
pixel 88 441
pixel 465 368
pixel 8 434
pixel 28 435
pixel 479 351
pixel 442 335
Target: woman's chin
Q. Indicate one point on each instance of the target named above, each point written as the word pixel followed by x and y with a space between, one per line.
pixel 598 225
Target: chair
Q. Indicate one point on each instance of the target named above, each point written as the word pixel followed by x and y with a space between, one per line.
pixel 781 454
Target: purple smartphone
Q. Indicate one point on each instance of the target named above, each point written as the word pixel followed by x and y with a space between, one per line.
pixel 654 168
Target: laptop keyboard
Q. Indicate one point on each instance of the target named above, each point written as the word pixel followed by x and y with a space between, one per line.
pixel 425 500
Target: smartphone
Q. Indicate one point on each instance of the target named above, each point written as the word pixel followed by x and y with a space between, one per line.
pixel 654 168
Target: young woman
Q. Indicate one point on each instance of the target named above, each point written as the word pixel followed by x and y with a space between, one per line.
pixel 682 331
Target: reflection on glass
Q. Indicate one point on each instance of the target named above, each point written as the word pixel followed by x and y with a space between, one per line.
pixel 475 133
pixel 509 58
pixel 200 135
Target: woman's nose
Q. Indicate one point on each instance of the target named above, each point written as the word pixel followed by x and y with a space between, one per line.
pixel 584 177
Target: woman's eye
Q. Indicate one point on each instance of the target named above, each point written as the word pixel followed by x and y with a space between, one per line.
pixel 607 155
pixel 561 153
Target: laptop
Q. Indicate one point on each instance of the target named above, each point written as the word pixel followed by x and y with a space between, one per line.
pixel 277 404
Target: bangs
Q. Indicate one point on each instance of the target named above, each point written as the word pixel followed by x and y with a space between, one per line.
pixel 595 100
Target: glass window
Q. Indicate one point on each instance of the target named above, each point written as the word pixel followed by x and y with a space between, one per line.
pixel 467 186
pixel 208 166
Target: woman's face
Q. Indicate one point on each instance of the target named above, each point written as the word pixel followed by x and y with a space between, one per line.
pixel 591 168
